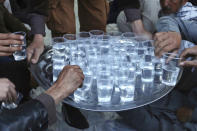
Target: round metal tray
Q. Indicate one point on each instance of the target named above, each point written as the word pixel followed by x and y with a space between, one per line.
pixel 145 93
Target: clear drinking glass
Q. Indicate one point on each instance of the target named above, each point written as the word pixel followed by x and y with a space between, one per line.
pixel 128 37
pixel 83 35
pixel 158 65
pixel 170 68
pixel 20 55
pixel 12 105
pixel 70 36
pixel 84 93
pixel 115 34
pixel 126 81
pixel 104 88
pixel 147 71
pixel 94 34
pixel 127 88
pixel 59 59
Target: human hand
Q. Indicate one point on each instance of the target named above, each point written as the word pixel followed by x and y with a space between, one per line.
pixel 35 49
pixel 166 42
pixel 187 53
pixel 68 81
pixel 7 90
pixel 184 114
pixel 6 40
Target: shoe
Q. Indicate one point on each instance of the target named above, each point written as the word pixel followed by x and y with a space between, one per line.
pixel 74 117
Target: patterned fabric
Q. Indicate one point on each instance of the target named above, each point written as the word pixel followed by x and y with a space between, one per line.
pixel 187 12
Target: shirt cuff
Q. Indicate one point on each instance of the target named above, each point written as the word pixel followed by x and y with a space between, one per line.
pixel 49 104
pixel 37 24
pixel 132 14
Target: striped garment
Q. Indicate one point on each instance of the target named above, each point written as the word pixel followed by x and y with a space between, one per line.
pixel 187 12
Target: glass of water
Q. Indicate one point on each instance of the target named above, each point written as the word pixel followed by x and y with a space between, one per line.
pixel 94 34
pixel 104 88
pixel 83 35
pixel 84 93
pixel 12 105
pixel 70 36
pixel 58 56
pixel 147 71
pixel 20 55
pixel 127 88
pixel 170 68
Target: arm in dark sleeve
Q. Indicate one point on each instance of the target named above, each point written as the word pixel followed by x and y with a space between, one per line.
pixel 32 12
pixel 132 14
pixel 124 4
pixel 37 24
pixel 10 23
pixel 29 116
pixel 131 9
pixel 35 21
pixel 33 115
pixel 49 104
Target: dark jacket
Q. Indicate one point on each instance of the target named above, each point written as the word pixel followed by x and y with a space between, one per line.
pixel 118 5
pixel 32 12
pixel 194 2
pixel 31 116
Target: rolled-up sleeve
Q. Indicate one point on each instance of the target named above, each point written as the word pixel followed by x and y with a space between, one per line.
pixel 49 104
pixel 132 14
pixel 167 23
pixel 37 23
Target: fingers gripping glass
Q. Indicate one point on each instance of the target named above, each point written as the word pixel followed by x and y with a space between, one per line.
pixel 20 55
pixel 12 105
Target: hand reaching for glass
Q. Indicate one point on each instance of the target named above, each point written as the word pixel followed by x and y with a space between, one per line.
pixel 7 90
pixel 70 78
pixel 189 52
pixel 166 42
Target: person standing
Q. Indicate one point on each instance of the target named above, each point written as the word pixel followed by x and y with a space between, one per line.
pixel 92 16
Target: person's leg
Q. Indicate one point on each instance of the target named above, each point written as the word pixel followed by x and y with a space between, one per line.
pixel 61 18
pixel 93 14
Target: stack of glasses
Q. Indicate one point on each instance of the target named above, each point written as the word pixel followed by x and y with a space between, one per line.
pixel 111 61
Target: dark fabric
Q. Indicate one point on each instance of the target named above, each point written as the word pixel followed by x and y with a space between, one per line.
pixel 118 5
pixel 31 116
pixel 194 2
pixel 74 117
pixel 18 73
pixel 8 22
pixel 188 80
pixel 161 115
pixel 32 12
pixel 132 14
pixel 49 104
pixel 92 16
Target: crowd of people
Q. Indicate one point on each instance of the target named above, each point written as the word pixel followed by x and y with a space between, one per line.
pixel 168 22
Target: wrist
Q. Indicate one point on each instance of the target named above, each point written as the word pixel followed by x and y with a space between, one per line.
pixel 56 93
